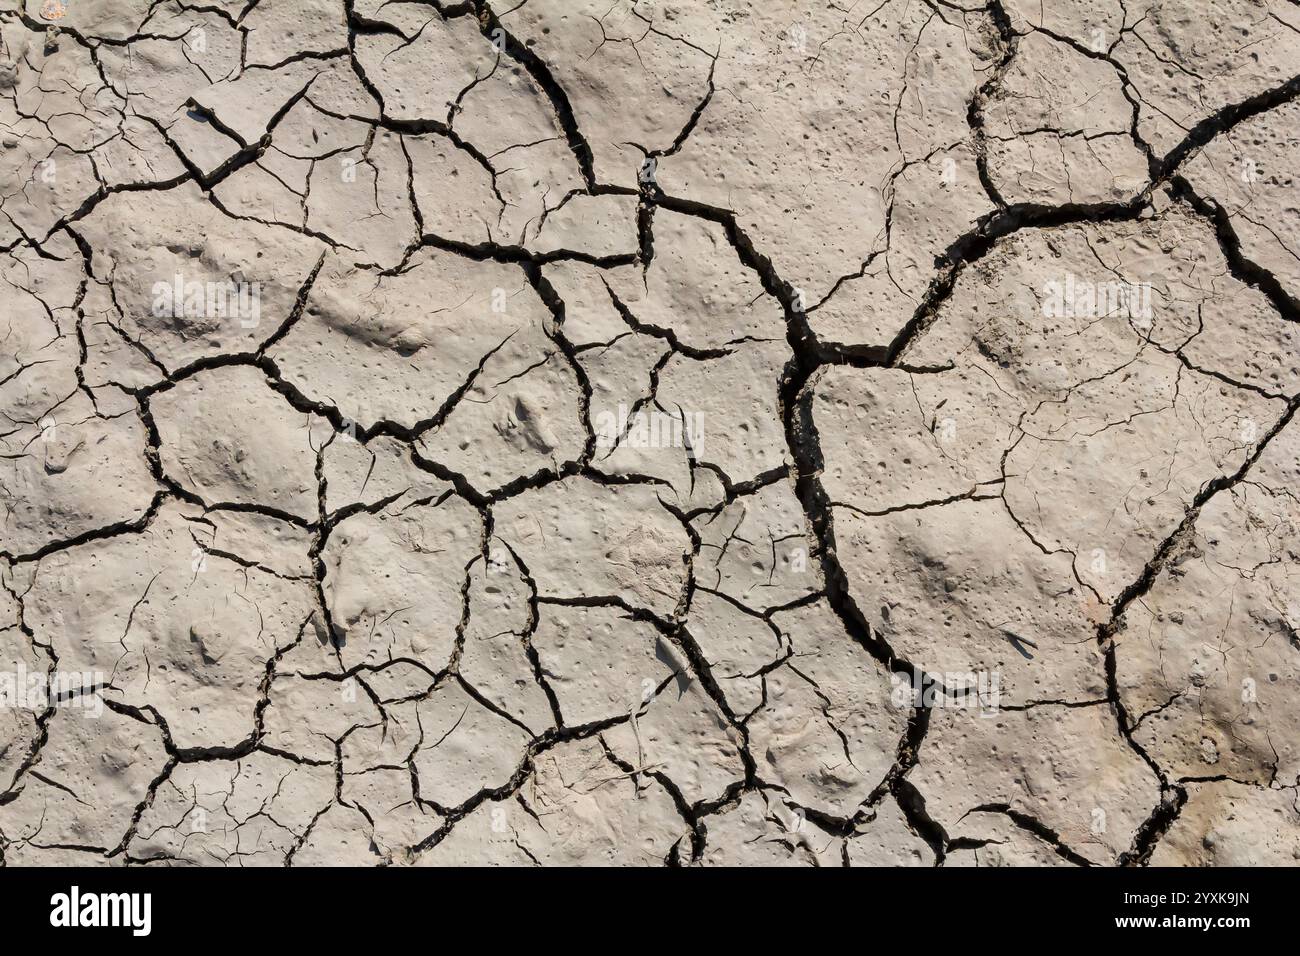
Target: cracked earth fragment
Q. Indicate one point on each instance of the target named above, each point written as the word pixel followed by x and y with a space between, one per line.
pixel 649 433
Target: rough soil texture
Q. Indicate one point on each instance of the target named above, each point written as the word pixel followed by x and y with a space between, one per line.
pixel 689 432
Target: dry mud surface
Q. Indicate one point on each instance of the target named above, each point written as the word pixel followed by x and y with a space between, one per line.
pixel 692 432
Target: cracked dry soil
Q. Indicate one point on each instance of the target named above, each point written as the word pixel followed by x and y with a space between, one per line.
pixel 689 432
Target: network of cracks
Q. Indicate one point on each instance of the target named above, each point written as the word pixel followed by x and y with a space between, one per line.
pixel 691 432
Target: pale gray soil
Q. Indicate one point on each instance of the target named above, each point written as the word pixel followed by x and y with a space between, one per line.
pixel 697 432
